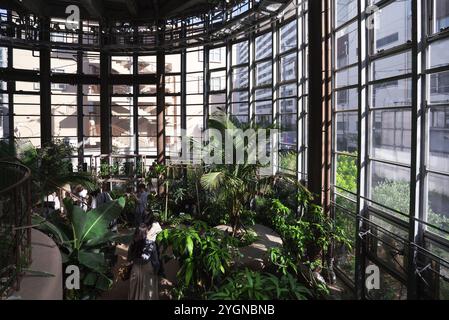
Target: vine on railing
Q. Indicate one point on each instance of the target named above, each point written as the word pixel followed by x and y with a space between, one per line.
pixel 15 216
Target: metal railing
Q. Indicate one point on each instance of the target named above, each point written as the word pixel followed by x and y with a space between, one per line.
pixel 116 168
pixel 15 217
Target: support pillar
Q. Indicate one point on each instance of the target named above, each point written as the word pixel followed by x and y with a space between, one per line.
pixel 45 84
pixel 320 133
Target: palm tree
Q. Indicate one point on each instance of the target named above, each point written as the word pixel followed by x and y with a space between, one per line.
pixel 236 184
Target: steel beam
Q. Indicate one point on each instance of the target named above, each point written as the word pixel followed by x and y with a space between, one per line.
pixel 45 85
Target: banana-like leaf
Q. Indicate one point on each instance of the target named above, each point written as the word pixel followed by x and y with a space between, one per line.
pixel 110 237
pixel 103 282
pixel 90 279
pixel 65 257
pixel 98 220
pixel 47 227
pixel 98 280
pixel 92 260
pixel 78 219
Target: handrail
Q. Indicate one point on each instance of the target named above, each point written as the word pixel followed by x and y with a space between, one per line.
pixel 26 176
pixel 16 215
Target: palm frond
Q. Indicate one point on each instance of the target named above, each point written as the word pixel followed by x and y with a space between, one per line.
pixel 212 181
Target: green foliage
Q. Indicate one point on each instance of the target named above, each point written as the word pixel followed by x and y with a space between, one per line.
pixel 251 285
pixel 157 171
pixel 288 161
pixel 83 239
pixel 204 255
pixel 127 217
pixel 182 190
pixel 50 166
pixel 313 229
pixel 305 237
pixel 346 177
pixel 396 195
pixel 283 260
pixel 232 185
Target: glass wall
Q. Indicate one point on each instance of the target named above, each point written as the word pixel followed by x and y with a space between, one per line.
pixel 390 174
pixel 258 77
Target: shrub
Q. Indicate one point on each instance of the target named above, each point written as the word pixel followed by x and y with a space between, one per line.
pixel 204 254
pixel 251 285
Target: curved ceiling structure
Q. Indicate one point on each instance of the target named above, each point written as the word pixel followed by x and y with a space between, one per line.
pixel 143 10
pixel 137 25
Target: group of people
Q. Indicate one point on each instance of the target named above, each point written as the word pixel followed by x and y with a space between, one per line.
pixel 90 200
pixel 143 252
pixel 95 199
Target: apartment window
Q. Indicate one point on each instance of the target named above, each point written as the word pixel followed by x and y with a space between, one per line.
pixel 441 8
pixel 387 40
pixel 216 55
pixel 342 96
pixel 439 83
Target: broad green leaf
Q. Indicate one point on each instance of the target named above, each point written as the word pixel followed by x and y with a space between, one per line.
pixel 90 279
pixel 110 237
pixel 47 227
pixel 189 245
pixel 103 283
pixel 94 261
pixel 78 218
pixel 98 220
pixel 189 272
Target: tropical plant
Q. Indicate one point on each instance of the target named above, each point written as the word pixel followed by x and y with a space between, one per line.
pixel 235 185
pixel 307 234
pixel 50 166
pixel 204 255
pixel 251 285
pixel 283 261
pixel 83 239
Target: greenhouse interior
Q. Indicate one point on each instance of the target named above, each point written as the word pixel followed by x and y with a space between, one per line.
pixel 224 150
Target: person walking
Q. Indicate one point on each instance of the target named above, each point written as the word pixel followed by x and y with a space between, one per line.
pixel 143 253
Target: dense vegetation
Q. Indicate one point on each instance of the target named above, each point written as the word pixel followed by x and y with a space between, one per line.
pixel 192 202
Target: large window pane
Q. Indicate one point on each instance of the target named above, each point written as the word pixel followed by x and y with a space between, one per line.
pixel 438 203
pixel 288 36
pixel 392 26
pixel 346 46
pixel 390 186
pixel 345 10
pixel 240 53
pixel 395 93
pixel 440 15
pixel 392 135
pixel 264 46
pixel 438 139
pixel 288 67
pixel 347 131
